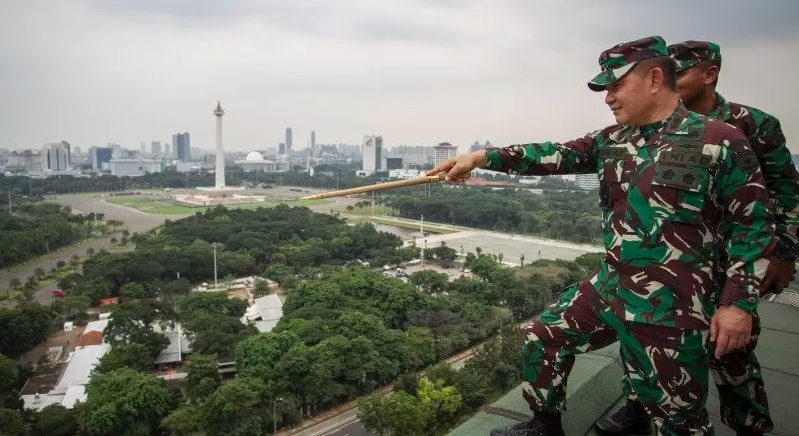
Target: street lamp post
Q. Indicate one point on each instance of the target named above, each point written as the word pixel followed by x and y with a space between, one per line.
pixel 274 415
pixel 216 286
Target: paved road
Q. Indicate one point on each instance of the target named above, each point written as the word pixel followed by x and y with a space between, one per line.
pixel 347 424
pixel 512 247
pixel 135 221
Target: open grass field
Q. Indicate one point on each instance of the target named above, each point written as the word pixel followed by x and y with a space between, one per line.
pixel 156 206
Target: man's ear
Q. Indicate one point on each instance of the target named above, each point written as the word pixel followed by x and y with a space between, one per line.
pixel 711 74
pixel 656 79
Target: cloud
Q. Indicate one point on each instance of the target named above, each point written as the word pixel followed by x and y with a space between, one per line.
pixel 416 71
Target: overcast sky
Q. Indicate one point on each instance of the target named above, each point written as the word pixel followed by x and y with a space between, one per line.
pixel 415 71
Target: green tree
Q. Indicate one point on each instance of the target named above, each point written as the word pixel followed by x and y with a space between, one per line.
pixel 55 420
pixel 444 400
pixel 14 283
pixel 11 423
pixel 372 413
pixel 430 281
pixel 124 402
pixel 407 415
pixel 236 408
pixel 203 377
pixel 186 420
pixel 126 328
pixel 134 290
pixel 24 327
pixel 261 289
pixel 133 355
pixel 422 344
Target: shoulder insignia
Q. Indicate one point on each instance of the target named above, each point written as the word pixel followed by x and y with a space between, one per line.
pixel 745 160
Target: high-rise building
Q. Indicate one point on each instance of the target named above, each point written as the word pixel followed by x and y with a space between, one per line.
pixel 100 157
pixel 393 163
pixel 372 152
pixel 27 159
pixel 281 148
pixel 56 156
pixel 313 143
pixel 182 146
pixel 156 148
pixel 167 150
pixel 116 148
pixel 288 140
pixel 443 152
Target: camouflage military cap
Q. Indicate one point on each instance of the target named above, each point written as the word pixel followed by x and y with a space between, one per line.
pixel 621 58
pixel 689 53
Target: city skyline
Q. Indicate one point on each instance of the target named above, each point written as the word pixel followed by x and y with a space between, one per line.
pixel 418 72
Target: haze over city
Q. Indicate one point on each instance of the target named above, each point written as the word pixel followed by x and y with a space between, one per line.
pixel 413 71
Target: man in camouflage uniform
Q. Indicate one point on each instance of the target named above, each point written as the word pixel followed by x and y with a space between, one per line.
pixel 744 405
pixel 669 178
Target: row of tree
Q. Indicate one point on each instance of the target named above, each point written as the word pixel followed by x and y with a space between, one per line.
pixel 567 215
pixel 326 176
pixel 35 229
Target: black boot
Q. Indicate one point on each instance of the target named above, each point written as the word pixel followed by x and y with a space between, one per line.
pixel 629 420
pixel 543 424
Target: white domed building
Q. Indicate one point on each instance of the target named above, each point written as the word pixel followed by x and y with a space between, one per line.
pixel 255 162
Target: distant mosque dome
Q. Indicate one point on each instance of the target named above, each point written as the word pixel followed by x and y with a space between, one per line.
pixel 254 156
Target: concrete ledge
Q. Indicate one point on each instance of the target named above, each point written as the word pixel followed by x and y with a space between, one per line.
pixel 594 385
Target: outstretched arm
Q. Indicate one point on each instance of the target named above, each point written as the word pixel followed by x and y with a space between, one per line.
pixel 545 158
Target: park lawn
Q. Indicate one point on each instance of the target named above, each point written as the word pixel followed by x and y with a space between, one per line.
pixel 171 209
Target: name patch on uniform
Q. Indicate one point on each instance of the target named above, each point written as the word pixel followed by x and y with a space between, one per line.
pixel 615 153
pixel 686 157
pixel 686 178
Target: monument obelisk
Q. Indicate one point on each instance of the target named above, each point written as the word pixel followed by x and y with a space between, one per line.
pixel 220 151
pixel 218 194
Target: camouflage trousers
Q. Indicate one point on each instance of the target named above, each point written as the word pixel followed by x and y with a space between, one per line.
pixel 742 393
pixel 666 367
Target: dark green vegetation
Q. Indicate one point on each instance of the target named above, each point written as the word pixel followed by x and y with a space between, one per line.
pixel 328 176
pixel 346 331
pixel 35 229
pixel 567 215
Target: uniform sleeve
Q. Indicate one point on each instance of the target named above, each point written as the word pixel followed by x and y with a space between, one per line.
pixel 545 158
pixel 782 182
pixel 747 225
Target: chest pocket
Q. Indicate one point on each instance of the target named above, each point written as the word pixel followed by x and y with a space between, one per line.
pixel 681 185
pixel 617 166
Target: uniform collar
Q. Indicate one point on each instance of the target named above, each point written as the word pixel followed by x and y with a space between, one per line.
pixel 721 109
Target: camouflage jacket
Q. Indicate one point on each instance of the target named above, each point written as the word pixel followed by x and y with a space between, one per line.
pixel 782 180
pixel 665 189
